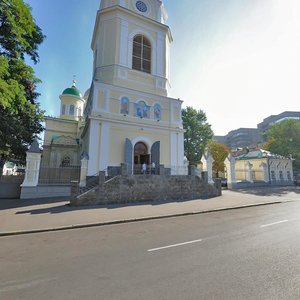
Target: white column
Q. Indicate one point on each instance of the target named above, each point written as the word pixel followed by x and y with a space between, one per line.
pixel 93 141
pixel 173 152
pixel 123 44
pixel 230 167
pixel 207 162
pixel 83 172
pixel 160 64
pixel 104 146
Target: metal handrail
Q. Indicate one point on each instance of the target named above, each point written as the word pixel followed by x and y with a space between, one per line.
pixel 91 182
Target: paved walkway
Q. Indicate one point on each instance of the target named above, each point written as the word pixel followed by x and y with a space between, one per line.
pixel 27 216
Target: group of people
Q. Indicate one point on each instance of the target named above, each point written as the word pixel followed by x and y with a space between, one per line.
pixel 144 168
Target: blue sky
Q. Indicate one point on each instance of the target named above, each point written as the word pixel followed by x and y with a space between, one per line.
pixel 238 60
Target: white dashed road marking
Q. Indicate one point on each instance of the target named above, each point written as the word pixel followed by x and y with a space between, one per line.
pixel 271 224
pixel 174 245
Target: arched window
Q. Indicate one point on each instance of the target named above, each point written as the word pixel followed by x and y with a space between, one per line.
pixel 63 109
pixel 141 54
pixel 72 110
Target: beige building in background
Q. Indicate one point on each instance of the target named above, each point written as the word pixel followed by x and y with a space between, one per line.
pixel 264 166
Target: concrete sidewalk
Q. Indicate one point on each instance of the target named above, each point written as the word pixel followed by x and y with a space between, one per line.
pixel 29 216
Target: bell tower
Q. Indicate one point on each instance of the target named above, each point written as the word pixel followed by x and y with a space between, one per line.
pixel 131 45
pixel 129 117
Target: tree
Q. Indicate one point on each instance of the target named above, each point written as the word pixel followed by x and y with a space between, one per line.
pixel 20 114
pixel 219 153
pixel 284 139
pixel 198 133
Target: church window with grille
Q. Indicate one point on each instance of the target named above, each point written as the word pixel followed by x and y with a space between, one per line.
pixel 141 54
pixel 273 176
pixel 66 162
pixel 281 175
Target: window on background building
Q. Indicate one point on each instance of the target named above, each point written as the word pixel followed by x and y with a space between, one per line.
pixel 124 106
pixel 281 175
pixel 273 176
pixel 289 175
pixel 72 110
pixel 141 54
pixel 63 109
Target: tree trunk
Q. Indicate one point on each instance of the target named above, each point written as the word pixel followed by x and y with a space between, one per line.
pixel 2 162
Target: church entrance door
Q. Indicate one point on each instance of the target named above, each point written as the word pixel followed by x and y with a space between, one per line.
pixel 140 156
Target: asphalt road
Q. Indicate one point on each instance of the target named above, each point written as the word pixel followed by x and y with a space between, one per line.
pixel 248 253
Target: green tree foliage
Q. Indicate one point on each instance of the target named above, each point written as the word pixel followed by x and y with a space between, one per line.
pixel 198 133
pixel 20 114
pixel 219 153
pixel 284 138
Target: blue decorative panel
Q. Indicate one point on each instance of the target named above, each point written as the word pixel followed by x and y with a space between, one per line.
pixel 124 106
pixel 142 110
pixel 157 112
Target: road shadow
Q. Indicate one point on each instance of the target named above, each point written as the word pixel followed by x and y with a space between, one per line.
pixel 18 203
pixel 269 191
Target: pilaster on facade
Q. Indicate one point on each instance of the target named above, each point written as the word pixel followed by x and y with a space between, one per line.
pixel 249 167
pixel 265 171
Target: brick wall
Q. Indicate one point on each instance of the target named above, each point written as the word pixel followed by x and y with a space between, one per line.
pixel 140 188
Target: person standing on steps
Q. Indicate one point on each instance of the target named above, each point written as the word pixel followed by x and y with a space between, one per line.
pixel 144 168
pixel 153 168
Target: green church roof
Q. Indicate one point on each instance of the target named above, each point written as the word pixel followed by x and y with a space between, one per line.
pixel 74 91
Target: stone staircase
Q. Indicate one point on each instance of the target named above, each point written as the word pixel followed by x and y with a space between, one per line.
pixel 91 182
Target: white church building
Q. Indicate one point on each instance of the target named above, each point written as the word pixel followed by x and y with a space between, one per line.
pixel 123 121
pixel 126 116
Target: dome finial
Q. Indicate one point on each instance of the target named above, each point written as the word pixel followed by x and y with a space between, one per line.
pixel 73 90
